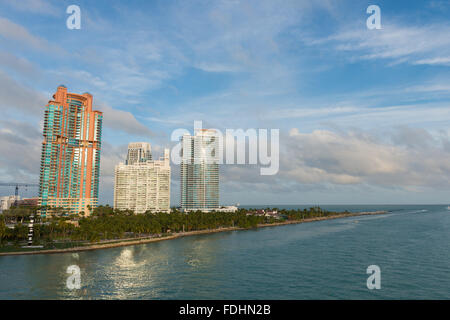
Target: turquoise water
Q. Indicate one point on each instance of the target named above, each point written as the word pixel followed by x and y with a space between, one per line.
pixel 319 260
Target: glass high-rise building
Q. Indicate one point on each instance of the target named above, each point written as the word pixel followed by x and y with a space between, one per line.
pixel 200 171
pixel 70 161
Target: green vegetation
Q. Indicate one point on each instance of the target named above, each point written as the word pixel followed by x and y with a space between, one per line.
pixel 310 213
pixel 105 223
pixel 2 229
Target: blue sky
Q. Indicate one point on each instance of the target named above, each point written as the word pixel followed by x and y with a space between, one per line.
pixel 363 114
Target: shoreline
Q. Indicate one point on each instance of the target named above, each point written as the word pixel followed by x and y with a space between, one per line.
pixel 123 242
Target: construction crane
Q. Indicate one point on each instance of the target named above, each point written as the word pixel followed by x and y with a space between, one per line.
pixel 17 185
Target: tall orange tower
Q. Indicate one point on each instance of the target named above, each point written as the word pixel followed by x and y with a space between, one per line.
pixel 70 161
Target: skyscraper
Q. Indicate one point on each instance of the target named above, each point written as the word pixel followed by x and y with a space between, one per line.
pixel 138 152
pixel 70 161
pixel 200 171
pixel 143 185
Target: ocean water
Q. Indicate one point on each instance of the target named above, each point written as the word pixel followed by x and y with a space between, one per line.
pixel 318 260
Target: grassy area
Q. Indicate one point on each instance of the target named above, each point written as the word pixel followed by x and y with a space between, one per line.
pixel 17 247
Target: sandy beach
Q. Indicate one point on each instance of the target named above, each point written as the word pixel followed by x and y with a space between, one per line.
pixel 127 242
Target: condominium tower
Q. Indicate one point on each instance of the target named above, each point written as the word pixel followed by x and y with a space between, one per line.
pixel 138 152
pixel 143 185
pixel 200 171
pixel 70 161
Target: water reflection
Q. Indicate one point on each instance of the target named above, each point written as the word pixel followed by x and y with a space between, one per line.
pixel 200 253
pixel 327 259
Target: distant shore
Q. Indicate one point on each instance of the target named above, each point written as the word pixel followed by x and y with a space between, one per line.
pixel 126 242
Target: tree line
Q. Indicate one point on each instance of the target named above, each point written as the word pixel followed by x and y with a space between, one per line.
pixel 107 223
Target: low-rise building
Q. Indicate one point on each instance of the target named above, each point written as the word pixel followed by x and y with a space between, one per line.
pixel 28 202
pixel 227 209
pixel 264 213
pixel 220 209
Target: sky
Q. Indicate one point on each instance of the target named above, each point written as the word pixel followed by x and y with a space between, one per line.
pixel 363 114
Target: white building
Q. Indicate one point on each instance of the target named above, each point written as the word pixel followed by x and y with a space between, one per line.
pixel 227 209
pixel 7 201
pixel 143 186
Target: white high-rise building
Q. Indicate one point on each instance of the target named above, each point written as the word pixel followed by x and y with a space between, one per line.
pixel 143 186
pixel 200 171
pixel 138 152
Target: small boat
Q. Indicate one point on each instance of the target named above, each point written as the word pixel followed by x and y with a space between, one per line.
pixel 448 208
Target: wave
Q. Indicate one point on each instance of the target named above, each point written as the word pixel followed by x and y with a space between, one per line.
pixel 418 211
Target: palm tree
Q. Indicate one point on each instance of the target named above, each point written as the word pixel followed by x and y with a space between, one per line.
pixel 3 229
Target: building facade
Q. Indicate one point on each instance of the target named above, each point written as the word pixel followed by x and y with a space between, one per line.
pixel 200 171
pixel 7 201
pixel 28 202
pixel 70 161
pixel 143 186
pixel 138 152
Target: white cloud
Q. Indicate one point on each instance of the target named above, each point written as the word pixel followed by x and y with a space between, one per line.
pixel 123 121
pixel 21 146
pixel 404 159
pixel 435 61
pixel 426 44
pixel 300 112
pixel 16 33
pixel 358 158
pixel 14 96
pixel 36 6
pixel 18 64
pixel 216 67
